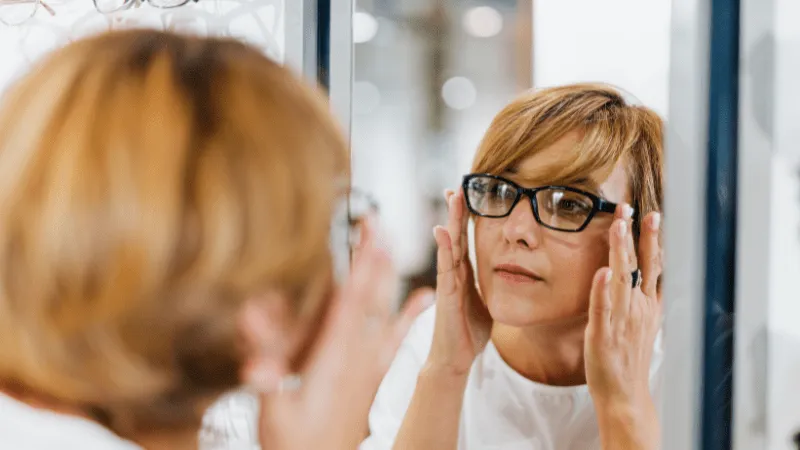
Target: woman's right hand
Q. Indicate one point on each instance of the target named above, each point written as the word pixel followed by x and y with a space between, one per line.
pixel 357 343
pixel 463 323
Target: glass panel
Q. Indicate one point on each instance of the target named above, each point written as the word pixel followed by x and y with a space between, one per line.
pixel 430 76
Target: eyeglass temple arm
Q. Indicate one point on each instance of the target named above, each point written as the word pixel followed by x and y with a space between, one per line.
pixel 606 206
pixel 47 7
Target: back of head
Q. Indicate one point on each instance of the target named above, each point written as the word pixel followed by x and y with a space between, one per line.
pixel 612 130
pixel 149 184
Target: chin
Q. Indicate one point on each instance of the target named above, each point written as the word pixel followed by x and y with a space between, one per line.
pixel 516 310
pixel 519 307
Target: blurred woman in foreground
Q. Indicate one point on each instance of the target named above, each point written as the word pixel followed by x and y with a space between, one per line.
pixel 165 215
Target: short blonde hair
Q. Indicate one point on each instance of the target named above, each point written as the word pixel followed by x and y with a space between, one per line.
pixel 149 184
pixel 612 130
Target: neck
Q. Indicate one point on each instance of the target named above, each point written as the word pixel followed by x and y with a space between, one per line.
pixel 550 353
pixel 179 440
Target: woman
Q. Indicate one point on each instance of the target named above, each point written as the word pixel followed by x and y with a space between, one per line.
pixel 165 218
pixel 552 348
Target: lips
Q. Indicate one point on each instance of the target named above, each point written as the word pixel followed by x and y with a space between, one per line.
pixel 516 272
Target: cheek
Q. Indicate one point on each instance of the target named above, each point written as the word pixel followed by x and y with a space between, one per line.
pixel 488 238
pixel 594 248
pixel 575 268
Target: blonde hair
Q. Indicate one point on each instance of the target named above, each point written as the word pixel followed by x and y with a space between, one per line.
pixel 612 131
pixel 149 184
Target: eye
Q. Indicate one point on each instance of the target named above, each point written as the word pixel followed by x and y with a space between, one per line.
pixel 572 205
pixel 567 203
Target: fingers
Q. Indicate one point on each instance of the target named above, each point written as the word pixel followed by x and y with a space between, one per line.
pixel 621 263
pixel 366 235
pixel 625 212
pixel 455 214
pixel 600 304
pixel 458 214
pixel 380 286
pixel 260 325
pixel 362 304
pixel 464 223
pixel 650 254
pixel 369 291
pixel 445 278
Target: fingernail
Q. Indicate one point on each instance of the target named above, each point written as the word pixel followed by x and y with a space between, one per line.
pixel 609 274
pixel 655 222
pixel 627 211
pixel 429 299
pixel 623 228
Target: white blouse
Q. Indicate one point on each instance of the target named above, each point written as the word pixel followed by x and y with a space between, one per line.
pixel 501 409
pixel 229 425
pixel 23 427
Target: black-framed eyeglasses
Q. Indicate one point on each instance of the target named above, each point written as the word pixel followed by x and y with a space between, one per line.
pixel 560 208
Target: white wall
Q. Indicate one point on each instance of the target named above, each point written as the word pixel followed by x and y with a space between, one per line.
pixel 768 242
pixel 783 359
pixel 623 42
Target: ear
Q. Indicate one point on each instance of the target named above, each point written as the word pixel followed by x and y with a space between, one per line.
pixel 263 324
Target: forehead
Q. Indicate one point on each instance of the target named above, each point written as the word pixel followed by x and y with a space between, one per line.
pixel 547 166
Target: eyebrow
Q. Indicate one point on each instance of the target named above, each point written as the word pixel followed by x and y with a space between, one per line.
pixel 583 183
pixel 588 185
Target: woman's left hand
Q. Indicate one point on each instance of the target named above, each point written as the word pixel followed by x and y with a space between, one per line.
pixel 623 323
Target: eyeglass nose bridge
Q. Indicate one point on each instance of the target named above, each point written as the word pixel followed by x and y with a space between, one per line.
pixel 532 200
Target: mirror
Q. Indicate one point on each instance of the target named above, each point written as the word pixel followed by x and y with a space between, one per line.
pixel 429 78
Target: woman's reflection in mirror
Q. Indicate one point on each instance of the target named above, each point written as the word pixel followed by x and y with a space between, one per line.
pixel 546 340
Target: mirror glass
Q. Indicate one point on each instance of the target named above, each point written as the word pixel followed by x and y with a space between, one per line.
pixel 429 78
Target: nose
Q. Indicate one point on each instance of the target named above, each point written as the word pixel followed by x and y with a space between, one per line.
pixel 520 227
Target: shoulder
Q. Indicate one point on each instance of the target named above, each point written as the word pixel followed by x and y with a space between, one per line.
pixel 26 427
